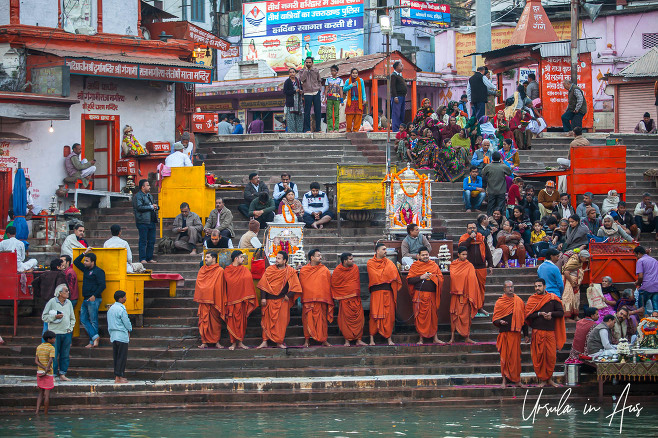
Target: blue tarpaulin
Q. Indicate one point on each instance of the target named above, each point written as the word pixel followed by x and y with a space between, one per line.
pixel 19 204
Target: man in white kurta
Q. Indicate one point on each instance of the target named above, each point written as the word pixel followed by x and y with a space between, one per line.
pixel 117 242
pixel 12 244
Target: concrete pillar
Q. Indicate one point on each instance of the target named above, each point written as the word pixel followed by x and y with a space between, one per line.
pixel 482 27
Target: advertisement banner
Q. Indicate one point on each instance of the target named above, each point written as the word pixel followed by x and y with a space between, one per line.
pixel 284 32
pixel 553 95
pixel 426 14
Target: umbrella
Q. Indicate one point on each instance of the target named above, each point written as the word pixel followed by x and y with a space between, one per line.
pixel 19 196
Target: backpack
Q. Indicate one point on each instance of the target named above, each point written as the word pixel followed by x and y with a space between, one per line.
pixel 166 245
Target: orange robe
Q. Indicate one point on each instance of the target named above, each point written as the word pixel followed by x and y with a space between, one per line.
pixel 509 343
pixel 426 304
pixel 463 296
pixel 317 304
pixel 210 293
pixel 240 300
pixel 545 343
pixel 276 313
pixel 346 289
pixel 482 272
pixel 383 302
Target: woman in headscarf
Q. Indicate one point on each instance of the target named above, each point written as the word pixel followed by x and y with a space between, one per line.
pixel 453 110
pixel 290 203
pixel 576 234
pixel 442 114
pixel 518 125
pixel 461 140
pixel 432 125
pixel 472 128
pixel 452 162
pixel 613 232
pixel 488 132
pixel 425 110
pixel 610 202
pixel 610 296
pixel 355 99
pixel 502 126
pixel 426 152
pixel 451 128
pixel 572 275
pixel 510 154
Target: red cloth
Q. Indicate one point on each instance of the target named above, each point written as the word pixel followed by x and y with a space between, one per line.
pixel 318 305
pixel 241 300
pixel 514 195
pixel 509 343
pixel 276 313
pixel 383 302
pixel 346 289
pixel 464 292
pixel 426 304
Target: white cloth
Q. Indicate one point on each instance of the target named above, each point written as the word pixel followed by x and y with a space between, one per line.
pixel 189 149
pixel 89 171
pixel 14 245
pixel 407 261
pixel 118 242
pixel 70 242
pixel 178 159
pixel 608 348
pixel 537 126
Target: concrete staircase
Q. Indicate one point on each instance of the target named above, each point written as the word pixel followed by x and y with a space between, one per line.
pixel 166 368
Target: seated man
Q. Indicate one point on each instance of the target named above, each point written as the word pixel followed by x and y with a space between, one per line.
pixel 646 125
pixel 250 238
pixel 588 201
pixel 316 207
pixel 563 210
pixel 548 198
pixel 646 215
pixel 178 158
pixel 12 244
pixel 473 192
pixel 625 220
pixel 412 243
pixel 32 206
pixel 220 219
pixel 280 188
pixel 262 209
pixel 188 227
pixel 251 191
pixel 75 240
pixel 216 241
pixel 117 242
pixel 579 140
pixel 77 169
pixel 530 204
pixel 482 156
pixel 599 340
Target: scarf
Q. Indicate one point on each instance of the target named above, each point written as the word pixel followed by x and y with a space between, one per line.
pixel 613 230
pixel 359 90
pixel 479 240
pixel 296 206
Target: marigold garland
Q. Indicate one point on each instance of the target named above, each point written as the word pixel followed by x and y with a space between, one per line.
pixel 422 179
pixel 649 331
pixel 285 208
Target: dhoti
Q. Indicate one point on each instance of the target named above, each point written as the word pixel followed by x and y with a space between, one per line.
pixel 382 313
pixel 482 282
pixel 460 314
pixel 314 320
pixel 509 347
pixel 236 320
pixel 275 320
pixel 210 325
pixel 544 353
pixel 425 314
pixel 350 318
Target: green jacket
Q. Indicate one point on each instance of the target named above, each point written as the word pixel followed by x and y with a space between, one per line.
pixel 256 205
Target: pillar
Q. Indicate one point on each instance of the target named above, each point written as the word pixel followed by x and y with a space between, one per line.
pixel 482 27
pixel 374 88
pixel 414 99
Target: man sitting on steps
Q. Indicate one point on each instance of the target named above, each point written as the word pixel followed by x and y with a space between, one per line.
pixel 316 207
pixel 251 191
pixel 188 227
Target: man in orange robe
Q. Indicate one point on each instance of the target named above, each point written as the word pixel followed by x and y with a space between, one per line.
pixel 509 317
pixel 278 286
pixel 317 304
pixel 424 282
pixel 480 257
pixel 545 315
pixel 384 282
pixel 346 289
pixel 210 293
pixel 240 299
pixel 464 292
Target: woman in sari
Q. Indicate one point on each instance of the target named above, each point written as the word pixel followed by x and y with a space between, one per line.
pixel 453 110
pixel 355 99
pixel 610 296
pixel 518 125
pixel 510 154
pixel 452 162
pixel 290 203
pixel 424 111
pixel 433 127
pixel 461 140
pixel 488 132
pixel 472 128
pixel 572 275
pixel 502 126
pixel 442 114
pixel 426 153
pixel 451 128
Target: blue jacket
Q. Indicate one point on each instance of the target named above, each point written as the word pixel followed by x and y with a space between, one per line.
pixel 238 129
pixel 348 86
pixel 552 276
pixel 478 157
pixel 468 185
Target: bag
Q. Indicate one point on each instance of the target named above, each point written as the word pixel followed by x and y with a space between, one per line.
pixel 166 245
pixel 595 296
pixel 258 264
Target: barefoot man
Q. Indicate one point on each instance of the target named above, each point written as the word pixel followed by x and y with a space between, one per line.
pixel 240 299
pixel 317 304
pixel 464 292
pixel 509 317
pixel 346 289
pixel 384 282
pixel 545 315
pixel 278 287
pixel 209 292
pixel 424 281
pixel 480 257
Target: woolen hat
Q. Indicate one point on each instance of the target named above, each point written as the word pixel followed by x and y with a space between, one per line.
pixel 178 146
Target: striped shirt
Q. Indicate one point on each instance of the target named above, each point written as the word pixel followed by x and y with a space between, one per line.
pixel 44 352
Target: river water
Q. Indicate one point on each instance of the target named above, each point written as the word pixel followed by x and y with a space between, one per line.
pixel 395 421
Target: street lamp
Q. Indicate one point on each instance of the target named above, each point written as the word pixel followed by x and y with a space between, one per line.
pixel 386 27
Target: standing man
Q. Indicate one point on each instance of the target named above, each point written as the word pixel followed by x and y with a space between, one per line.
pixel 224 127
pixel 210 293
pixel 71 278
pixel 278 286
pixel 478 89
pixel 333 94
pixel 479 255
pixel 463 296
pixel 346 289
pixel 119 327
pixel 494 174
pixel 220 219
pixel 251 191
pixel 384 282
pixel 117 242
pixel 646 269
pixel 398 94
pixel 93 285
pixel 309 77
pixel 75 240
pixel 509 317
pixel 146 216
pixel 550 273
pixel 532 90
pixel 317 303
pixel 412 244
pixel 240 299
pixel 425 281
pixel 188 227
pixel 544 314
pixel 256 126
pixel 576 107
pixel 77 169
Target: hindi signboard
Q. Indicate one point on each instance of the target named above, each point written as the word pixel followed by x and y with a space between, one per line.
pixel 422 13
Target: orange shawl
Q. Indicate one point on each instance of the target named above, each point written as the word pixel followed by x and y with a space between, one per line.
pixel 359 92
pixel 479 240
pixel 463 281
pixel 514 305
pixel 316 284
pixel 536 302
pixel 345 282
pixel 382 271
pixel 209 287
pixel 417 269
pixel 275 279
pixel 239 284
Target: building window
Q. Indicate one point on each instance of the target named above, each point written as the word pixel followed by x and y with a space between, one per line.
pixel 198 10
pixel 649 40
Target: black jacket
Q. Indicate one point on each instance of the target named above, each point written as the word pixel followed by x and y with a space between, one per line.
pixel 398 86
pixel 479 92
pixel 93 280
pixel 250 192
pixel 143 208
pixel 289 91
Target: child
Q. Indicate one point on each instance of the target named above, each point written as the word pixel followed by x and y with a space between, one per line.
pixel 400 141
pixel 44 360
pixel 538 239
pixel 411 145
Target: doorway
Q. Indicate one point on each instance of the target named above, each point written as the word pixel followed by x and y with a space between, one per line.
pixel 100 142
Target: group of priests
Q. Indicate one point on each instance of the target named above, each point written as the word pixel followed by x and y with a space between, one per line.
pixel 228 294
